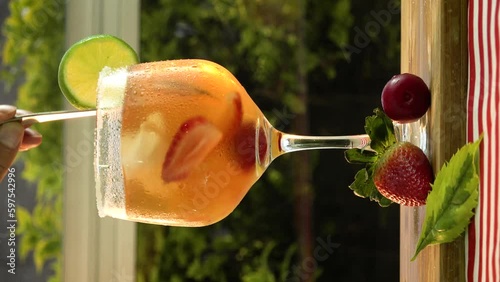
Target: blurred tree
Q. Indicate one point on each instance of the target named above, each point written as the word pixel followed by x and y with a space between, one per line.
pixel 291 57
pixel 34 44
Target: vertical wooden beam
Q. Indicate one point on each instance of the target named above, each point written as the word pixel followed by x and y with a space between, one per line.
pixel 94 249
pixel 434 46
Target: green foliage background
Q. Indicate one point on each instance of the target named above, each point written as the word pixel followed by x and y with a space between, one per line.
pixel 34 45
pixel 257 41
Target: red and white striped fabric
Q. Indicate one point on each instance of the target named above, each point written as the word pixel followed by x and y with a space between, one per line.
pixel 483 235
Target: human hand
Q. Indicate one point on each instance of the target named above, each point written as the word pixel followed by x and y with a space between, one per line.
pixel 14 138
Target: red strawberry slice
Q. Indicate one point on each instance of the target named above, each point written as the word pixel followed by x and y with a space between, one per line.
pixel 237 109
pixel 404 175
pixel 194 140
pixel 233 114
pixel 244 142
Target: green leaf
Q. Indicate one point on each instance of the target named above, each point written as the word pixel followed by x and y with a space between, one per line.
pixel 359 156
pixel 23 217
pixel 381 131
pixel 379 128
pixel 39 254
pixel 287 261
pixel 294 103
pixel 453 197
pixel 261 271
pixel 364 187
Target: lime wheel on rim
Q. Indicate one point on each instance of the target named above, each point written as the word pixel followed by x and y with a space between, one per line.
pixel 83 61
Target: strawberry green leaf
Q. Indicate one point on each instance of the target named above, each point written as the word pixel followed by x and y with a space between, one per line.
pixel 379 128
pixel 364 187
pixel 381 131
pixel 359 156
pixel 453 198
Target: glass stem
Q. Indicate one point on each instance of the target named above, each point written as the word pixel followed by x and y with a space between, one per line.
pixel 291 143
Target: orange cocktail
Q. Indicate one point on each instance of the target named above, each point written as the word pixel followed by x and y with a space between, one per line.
pixel 191 143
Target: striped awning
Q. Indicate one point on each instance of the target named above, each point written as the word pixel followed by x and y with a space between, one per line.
pixel 483 236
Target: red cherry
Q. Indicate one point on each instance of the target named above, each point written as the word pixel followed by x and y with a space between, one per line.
pixel 405 98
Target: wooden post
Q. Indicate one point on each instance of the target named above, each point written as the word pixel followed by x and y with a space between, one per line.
pixel 94 249
pixel 434 46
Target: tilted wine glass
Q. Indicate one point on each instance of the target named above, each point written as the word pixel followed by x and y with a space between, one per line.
pixel 181 142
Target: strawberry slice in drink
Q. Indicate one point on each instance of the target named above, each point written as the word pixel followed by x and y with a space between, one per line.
pixel 194 140
pixel 230 121
pixel 250 144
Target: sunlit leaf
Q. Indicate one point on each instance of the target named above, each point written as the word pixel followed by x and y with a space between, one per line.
pixel 453 198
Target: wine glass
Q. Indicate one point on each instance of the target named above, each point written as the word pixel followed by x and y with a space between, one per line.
pixel 180 143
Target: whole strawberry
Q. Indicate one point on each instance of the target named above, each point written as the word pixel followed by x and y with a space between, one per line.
pixel 394 172
pixel 403 174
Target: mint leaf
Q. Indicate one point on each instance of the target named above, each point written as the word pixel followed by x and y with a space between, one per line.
pixel 453 198
pixel 358 156
pixel 381 131
pixel 364 187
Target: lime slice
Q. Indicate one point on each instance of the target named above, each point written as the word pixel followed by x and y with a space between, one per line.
pixel 80 67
